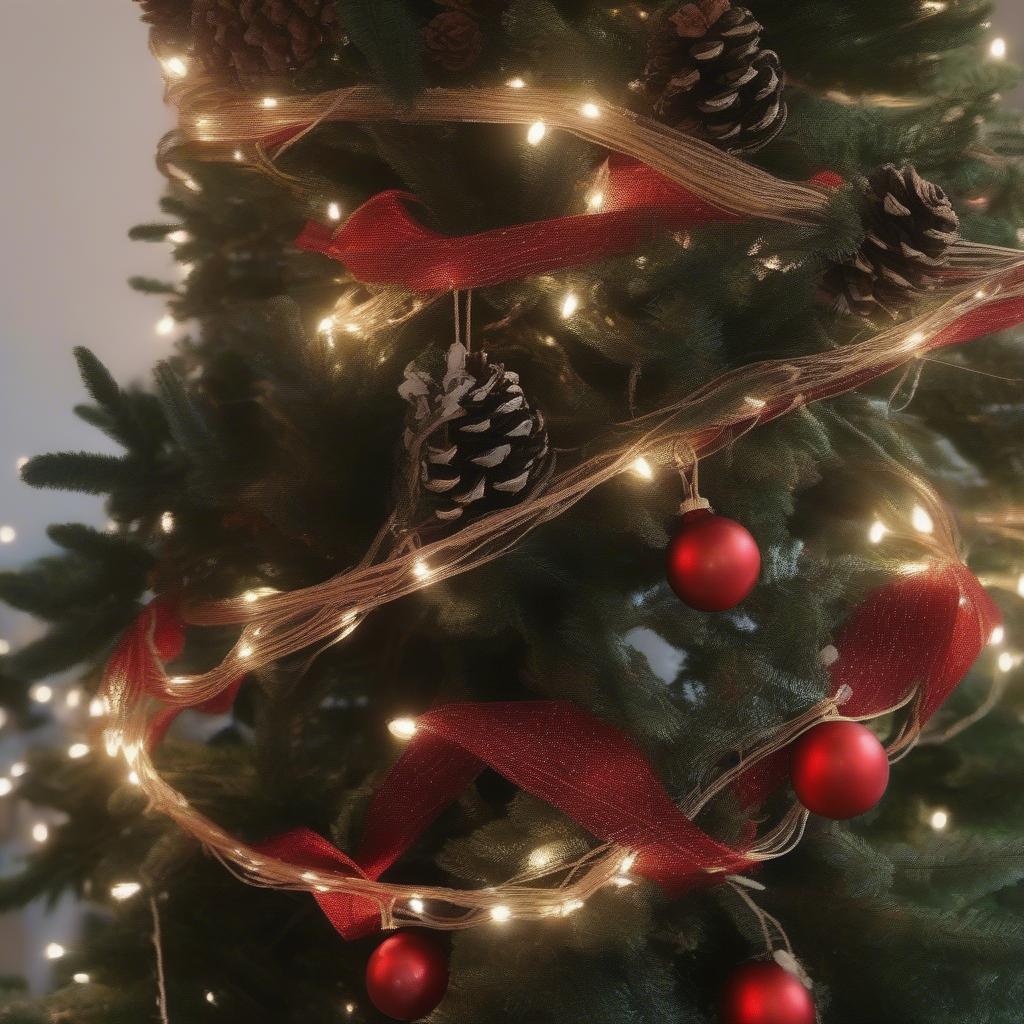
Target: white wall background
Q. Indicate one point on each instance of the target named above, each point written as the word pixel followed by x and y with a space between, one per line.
pixel 82 115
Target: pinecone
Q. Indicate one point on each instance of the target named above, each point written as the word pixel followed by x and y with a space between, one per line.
pixel 492 449
pixel 708 76
pixel 453 39
pixel 249 40
pixel 170 18
pixel 910 226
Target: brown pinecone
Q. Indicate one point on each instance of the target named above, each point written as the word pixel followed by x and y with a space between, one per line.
pixel 493 448
pixel 707 75
pixel 170 18
pixel 453 39
pixel 910 226
pixel 249 40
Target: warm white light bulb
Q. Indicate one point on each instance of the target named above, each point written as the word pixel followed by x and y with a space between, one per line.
pixel 40 832
pixel 627 864
pixel 642 468
pixel 595 200
pixel 18 769
pixel 21 463
pixel 81 978
pixel 165 325
pixel 541 857
pixel 133 778
pixel 516 83
pixel 939 820
pixel 326 325
pixel 570 907
pixel 5 647
pixel 176 66
pixel 73 698
pixel 178 237
pixel 570 303
pixel 41 693
pixel 997 48
pixel 124 890
pixel 211 998
pixel 350 1008
pixel 500 914
pixel 245 650
pixel 97 708
pixel 78 750
pixel 877 532
pixel 334 211
pixel 921 520
pixel 54 951
pixel 402 728
pixel 421 570
pixel 167 522
pixel 269 102
pixel 416 905
pixel 8 534
pixel 238 155
pixel 6 786
pixel 536 132
pixel 591 110
pixel 1006 661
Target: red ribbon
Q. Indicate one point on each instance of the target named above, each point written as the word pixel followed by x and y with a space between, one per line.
pixel 159 633
pixel 381 243
pixel 588 770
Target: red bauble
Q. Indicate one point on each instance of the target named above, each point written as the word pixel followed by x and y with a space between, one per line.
pixel 407 976
pixel 713 562
pixel 839 769
pixel 765 993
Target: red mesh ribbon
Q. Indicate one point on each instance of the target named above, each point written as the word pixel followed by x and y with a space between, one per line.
pixel 590 771
pixel 159 632
pixel 919 634
pixel 381 242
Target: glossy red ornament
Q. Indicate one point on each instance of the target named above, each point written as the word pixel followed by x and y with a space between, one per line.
pixel 407 975
pixel 839 769
pixel 713 562
pixel 765 993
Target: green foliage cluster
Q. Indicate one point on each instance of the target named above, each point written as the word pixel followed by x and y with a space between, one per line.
pixel 277 456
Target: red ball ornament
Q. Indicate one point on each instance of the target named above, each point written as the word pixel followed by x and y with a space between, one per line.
pixel 839 769
pixel 713 562
pixel 407 976
pixel 765 993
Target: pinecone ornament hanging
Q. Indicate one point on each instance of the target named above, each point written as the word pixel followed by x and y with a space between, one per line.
pixel 250 40
pixel 170 19
pixel 911 225
pixel 491 450
pixel 708 76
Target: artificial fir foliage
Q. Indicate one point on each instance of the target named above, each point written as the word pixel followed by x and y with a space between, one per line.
pixel 269 450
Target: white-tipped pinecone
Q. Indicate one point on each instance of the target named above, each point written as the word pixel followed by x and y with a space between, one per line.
pixel 708 75
pixel 490 448
pixel 911 225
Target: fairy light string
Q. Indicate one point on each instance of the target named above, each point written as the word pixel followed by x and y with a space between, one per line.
pixel 217 124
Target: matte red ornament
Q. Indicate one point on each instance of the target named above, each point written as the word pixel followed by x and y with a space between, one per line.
pixel 713 562
pixel 762 992
pixel 839 769
pixel 407 976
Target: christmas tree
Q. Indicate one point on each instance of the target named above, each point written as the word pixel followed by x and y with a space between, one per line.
pixel 570 567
